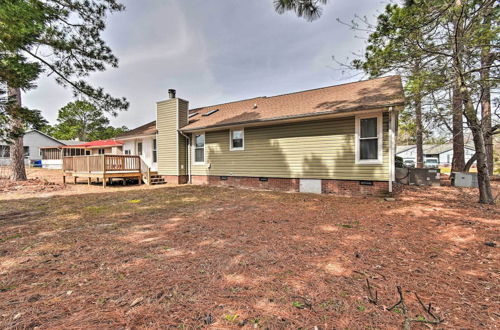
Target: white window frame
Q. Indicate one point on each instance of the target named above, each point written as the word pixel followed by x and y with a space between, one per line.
pixel 193 145
pixel 231 139
pixel 380 137
pixel 141 151
pixel 154 149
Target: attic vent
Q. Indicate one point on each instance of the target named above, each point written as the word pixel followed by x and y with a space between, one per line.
pixel 192 114
pixel 210 112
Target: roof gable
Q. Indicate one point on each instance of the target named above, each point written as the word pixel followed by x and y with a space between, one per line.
pixel 43 134
pixel 146 129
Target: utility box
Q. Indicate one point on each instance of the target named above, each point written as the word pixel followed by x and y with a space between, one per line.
pixel 424 176
pixel 464 179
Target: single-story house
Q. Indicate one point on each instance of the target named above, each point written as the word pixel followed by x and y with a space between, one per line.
pixel 442 152
pixel 34 143
pixel 337 139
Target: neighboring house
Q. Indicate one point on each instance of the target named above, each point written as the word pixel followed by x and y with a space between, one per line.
pixel 98 147
pixel 442 152
pixel 33 141
pixel 338 139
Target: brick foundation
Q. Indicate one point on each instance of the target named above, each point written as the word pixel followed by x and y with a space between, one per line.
pixel 354 188
pixel 328 186
pixel 175 179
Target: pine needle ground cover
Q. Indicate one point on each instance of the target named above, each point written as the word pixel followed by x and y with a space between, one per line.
pixel 194 256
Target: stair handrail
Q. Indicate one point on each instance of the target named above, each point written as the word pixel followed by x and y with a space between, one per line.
pixel 145 170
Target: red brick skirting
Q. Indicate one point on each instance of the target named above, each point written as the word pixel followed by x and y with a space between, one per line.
pixel 328 186
pixel 175 179
pixel 354 188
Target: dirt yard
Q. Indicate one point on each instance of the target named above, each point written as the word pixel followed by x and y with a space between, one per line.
pixel 191 256
pixel 47 183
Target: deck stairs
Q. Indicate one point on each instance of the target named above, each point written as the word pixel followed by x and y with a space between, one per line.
pixel 154 178
pixel 150 177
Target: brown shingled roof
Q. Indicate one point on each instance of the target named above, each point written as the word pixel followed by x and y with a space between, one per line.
pixel 362 95
pixel 146 129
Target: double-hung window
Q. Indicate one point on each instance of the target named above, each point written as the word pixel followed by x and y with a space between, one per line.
pixel 369 139
pixel 155 157
pixel 139 148
pixel 237 139
pixel 199 148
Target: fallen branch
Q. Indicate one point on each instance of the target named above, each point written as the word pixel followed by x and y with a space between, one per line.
pixel 408 320
pixel 400 302
pixel 428 310
pixel 370 297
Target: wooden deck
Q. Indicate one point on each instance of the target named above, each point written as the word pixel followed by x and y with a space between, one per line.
pixel 103 167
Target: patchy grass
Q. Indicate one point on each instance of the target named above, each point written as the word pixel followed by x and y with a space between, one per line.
pixel 190 257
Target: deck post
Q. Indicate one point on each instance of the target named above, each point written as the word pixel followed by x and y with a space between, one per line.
pixel 64 180
pixel 104 171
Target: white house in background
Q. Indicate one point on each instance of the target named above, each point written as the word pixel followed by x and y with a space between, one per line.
pixel 443 152
pixel 141 141
pixel 33 141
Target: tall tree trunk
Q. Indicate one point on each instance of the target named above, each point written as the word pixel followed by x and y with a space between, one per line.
pixel 477 128
pixel 418 121
pixel 419 131
pixel 486 109
pixel 486 62
pixel 458 162
pixel 18 170
pixel 483 176
pixel 457 102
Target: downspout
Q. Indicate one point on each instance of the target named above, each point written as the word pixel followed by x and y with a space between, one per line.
pixel 188 150
pixel 392 143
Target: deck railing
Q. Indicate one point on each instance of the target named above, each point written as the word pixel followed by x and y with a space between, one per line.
pixel 102 163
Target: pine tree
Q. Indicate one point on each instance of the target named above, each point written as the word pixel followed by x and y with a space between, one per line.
pixel 61 38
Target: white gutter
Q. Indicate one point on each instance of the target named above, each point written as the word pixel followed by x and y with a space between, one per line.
pixel 392 146
pixel 188 150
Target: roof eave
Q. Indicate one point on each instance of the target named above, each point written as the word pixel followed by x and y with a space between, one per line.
pixel 131 137
pixel 295 118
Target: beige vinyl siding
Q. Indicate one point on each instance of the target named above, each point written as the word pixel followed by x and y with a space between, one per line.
pixel 320 149
pixel 166 123
pixel 183 120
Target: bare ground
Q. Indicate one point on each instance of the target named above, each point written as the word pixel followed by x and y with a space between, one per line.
pixel 192 256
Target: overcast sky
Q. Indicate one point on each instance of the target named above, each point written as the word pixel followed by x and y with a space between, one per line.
pixel 213 52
